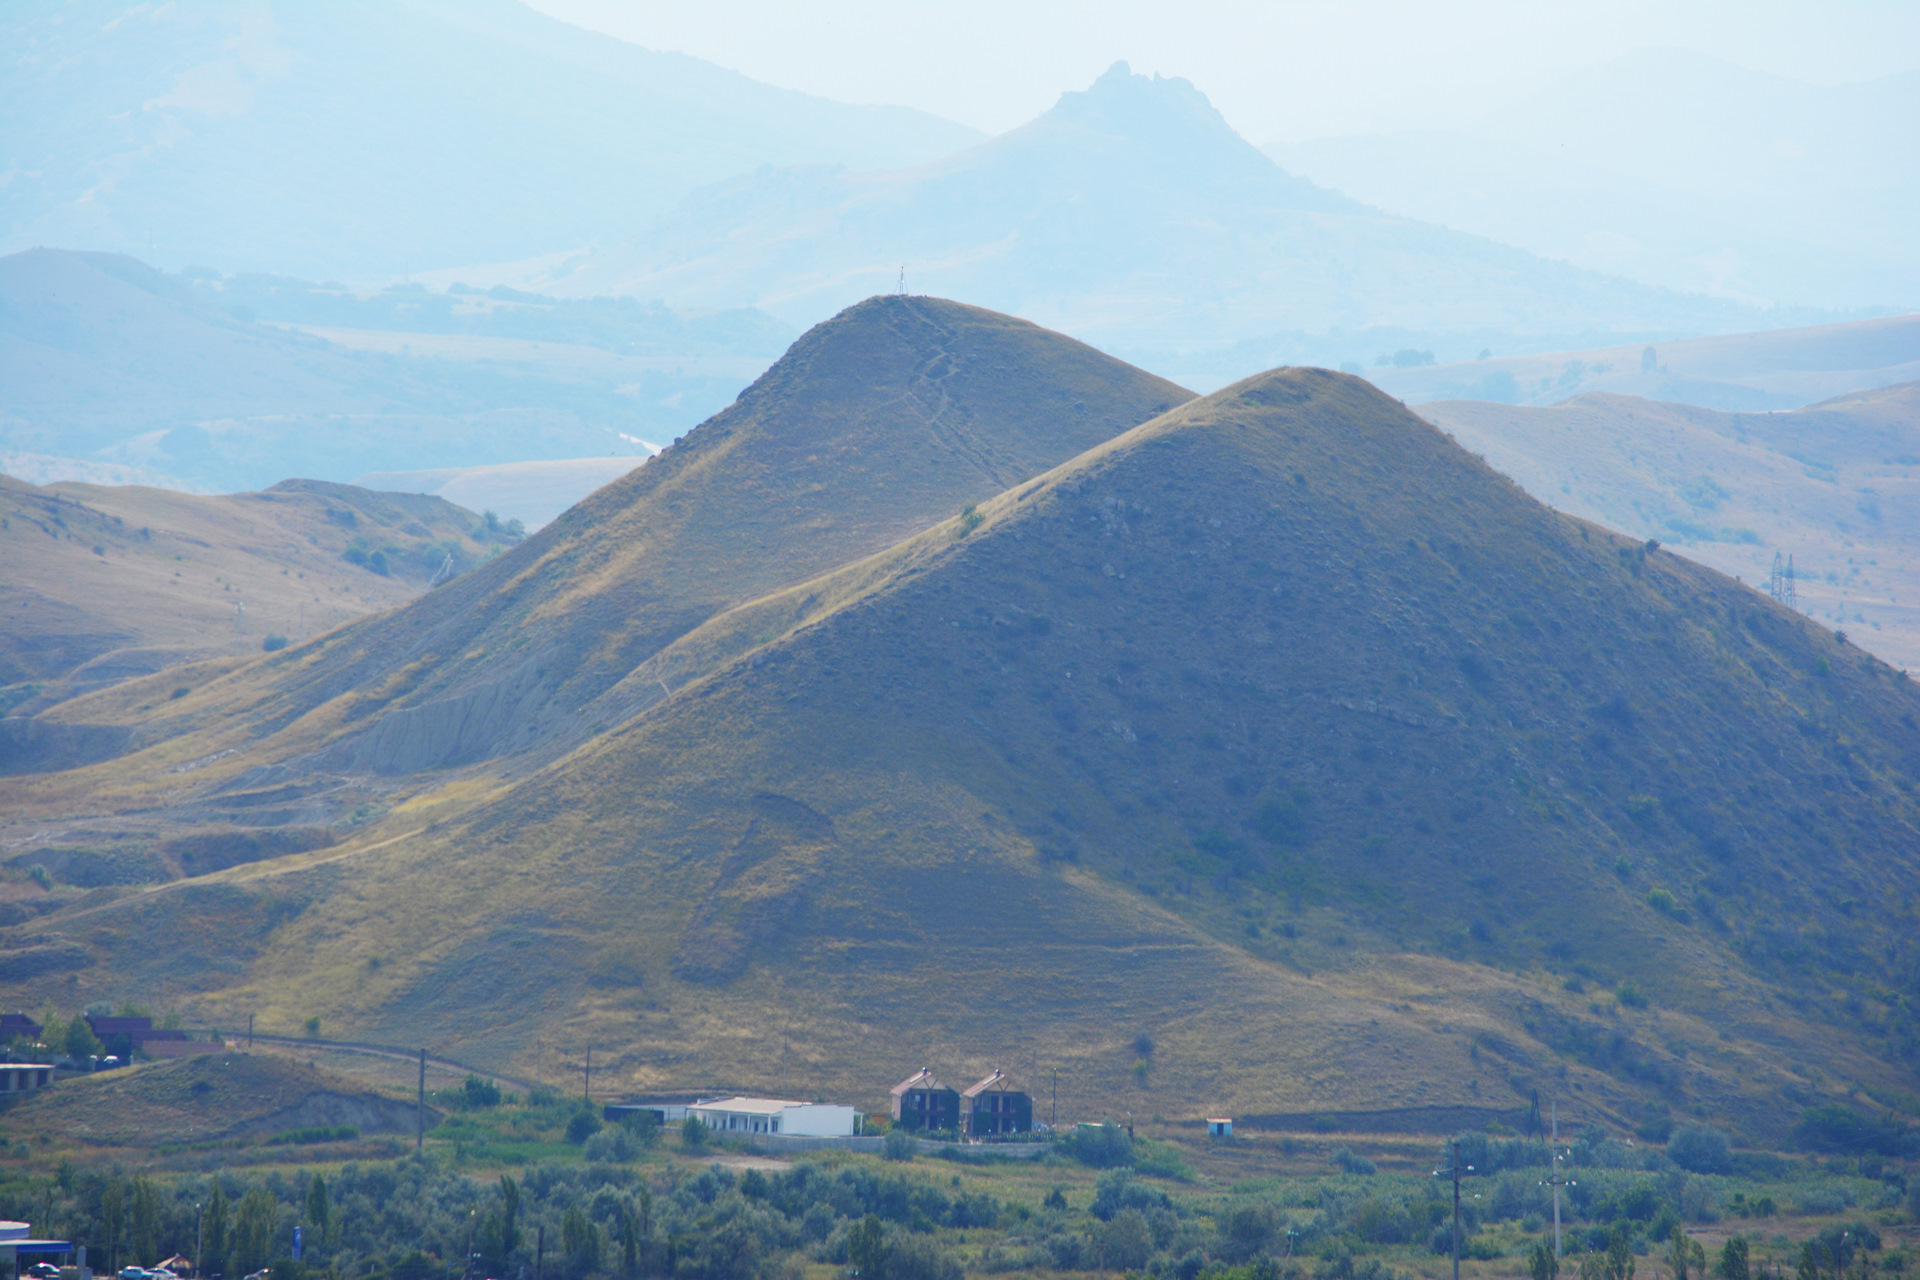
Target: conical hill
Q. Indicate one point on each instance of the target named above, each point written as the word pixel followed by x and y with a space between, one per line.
pixel 1278 730
pixel 891 416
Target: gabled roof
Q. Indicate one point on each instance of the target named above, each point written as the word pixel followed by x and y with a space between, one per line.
pixel 998 1082
pixel 921 1079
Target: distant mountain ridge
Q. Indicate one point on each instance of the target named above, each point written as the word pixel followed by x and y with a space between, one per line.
pixel 106 360
pixel 368 139
pixel 1132 216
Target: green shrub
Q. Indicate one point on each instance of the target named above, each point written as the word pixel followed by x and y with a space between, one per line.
pixel 583 1124
pixel 1103 1146
pixel 1843 1130
pixel 970 519
pixel 1663 901
pixel 1700 1148
pixel 1630 994
pixel 898 1145
pixel 478 1092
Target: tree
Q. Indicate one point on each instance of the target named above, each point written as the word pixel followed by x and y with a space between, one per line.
pixel 113 1217
pixel 1732 1264
pixel 580 1241
pixel 213 1235
pixel 143 1219
pixel 693 1134
pixel 1126 1243
pixel 80 1040
pixel 1699 1148
pixel 1684 1256
pixel 1615 1264
pixel 867 1248
pixel 509 1217
pixel 254 1224
pixel 318 1210
pixel 629 1239
pixel 1541 1264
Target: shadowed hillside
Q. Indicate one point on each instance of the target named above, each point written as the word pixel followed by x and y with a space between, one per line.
pixel 885 420
pixel 1835 485
pixel 1279 729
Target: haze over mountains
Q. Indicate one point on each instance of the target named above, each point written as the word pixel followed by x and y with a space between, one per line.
pixel 1673 169
pixel 1278 696
pixel 1132 216
pixel 369 139
pixel 105 360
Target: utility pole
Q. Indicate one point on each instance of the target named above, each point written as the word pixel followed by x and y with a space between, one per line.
pixel 1455 1171
pixel 249 1031
pixel 199 1239
pixel 539 1250
pixel 586 1088
pixel 1053 1108
pixel 1555 1179
pixel 420 1113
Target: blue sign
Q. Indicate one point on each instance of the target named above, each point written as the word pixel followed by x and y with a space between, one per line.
pixel 296 1244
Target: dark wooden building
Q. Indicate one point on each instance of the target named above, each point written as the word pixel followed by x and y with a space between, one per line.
pixel 922 1102
pixel 18 1026
pixel 994 1108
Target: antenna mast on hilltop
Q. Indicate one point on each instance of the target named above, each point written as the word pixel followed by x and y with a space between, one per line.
pixel 1780 583
pixel 902 286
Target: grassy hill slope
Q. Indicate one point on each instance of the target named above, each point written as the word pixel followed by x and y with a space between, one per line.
pixel 102 582
pixel 875 425
pixel 1836 485
pixel 1278 730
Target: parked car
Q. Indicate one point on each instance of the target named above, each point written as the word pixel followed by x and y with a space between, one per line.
pixel 131 1272
pixel 43 1271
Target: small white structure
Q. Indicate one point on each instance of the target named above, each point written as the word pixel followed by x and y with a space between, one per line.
pixel 777 1115
pixel 19 1077
pixel 1219 1126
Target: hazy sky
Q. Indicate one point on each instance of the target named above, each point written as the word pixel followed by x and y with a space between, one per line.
pixel 1278 70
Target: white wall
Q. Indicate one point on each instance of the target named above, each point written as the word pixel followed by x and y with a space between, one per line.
pixel 819 1121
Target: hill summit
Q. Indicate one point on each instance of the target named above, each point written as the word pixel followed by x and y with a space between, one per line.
pixel 884 420
pixel 1278 730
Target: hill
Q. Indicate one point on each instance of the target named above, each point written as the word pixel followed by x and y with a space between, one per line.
pixel 100 583
pixel 1741 372
pixel 875 425
pixel 1275 756
pixel 1133 217
pixel 1674 169
pixel 1835 485
pixel 213 1097
pixel 379 139
pixel 107 361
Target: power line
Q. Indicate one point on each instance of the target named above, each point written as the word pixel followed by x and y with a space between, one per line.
pixel 1455 1170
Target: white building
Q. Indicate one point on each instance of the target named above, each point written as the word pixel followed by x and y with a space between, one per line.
pixel 18 1077
pixel 777 1115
